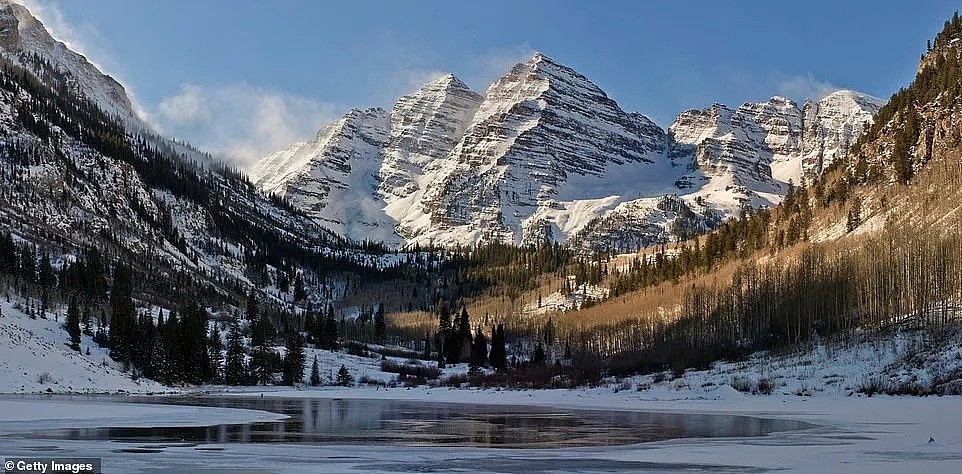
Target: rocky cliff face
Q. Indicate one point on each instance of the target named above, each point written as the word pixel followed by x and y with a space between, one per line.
pixel 334 178
pixel 538 125
pixel 832 125
pixel 544 154
pixel 749 156
pixel 22 36
pixel 424 128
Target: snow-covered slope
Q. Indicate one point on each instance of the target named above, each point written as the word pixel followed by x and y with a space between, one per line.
pixel 35 356
pixel 832 125
pixel 425 127
pixel 334 177
pixel 22 36
pixel 545 136
pixel 545 155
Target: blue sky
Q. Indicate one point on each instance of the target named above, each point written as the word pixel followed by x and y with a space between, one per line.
pixel 245 77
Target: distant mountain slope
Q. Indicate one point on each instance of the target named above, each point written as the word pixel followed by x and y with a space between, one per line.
pixel 79 170
pixel 545 155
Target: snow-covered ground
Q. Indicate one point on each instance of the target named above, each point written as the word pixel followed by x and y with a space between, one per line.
pixel 35 356
pixel 84 412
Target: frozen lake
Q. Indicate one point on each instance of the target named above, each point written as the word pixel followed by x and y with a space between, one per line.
pixel 410 423
pixel 591 430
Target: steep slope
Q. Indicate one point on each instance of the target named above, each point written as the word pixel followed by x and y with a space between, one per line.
pixel 539 125
pixel 364 175
pixel 832 125
pixel 73 178
pixel 545 155
pixel 334 178
pixel 425 127
pixel 23 39
pixel 745 154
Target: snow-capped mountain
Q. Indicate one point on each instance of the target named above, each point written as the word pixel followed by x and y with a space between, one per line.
pixel 23 38
pixel 334 177
pixel 831 126
pixel 545 154
pixel 540 129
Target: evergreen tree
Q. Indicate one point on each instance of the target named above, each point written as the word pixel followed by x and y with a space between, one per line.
pixel 300 294
pixel 315 373
pixel 235 369
pixel 215 358
pixel 8 254
pixel 479 349
pixel 380 326
pixel 46 276
pixel 262 355
pixel 310 327
pixel 192 332
pixel 499 355
pixel 538 357
pixel 464 335
pixel 73 324
pixel 330 329
pixel 122 317
pixel 444 315
pixel 344 378
pixel 294 360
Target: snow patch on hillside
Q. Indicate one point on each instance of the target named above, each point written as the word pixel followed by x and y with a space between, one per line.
pixel 35 356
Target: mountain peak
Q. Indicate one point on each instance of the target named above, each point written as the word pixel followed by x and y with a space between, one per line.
pixel 445 82
pixel 22 33
pixel 782 101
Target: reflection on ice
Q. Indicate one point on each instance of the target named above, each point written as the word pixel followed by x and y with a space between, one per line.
pixel 337 421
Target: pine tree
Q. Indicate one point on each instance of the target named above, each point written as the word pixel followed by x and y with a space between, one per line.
pixel 161 366
pixel 300 294
pixel 538 357
pixel 330 329
pixel 122 317
pixel 73 324
pixel 294 360
pixel 380 326
pixel 499 355
pixel 262 354
pixel 215 358
pixel 192 332
pixel 315 373
pixel 310 327
pixel 479 349
pixel 344 378
pixel 464 335
pixel 235 370
pixel 444 315
pixel 46 275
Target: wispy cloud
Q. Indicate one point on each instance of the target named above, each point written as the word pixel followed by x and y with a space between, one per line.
pixel 407 80
pixel 241 122
pixel 805 87
pixel 495 64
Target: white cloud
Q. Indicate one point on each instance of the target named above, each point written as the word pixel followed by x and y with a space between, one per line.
pixel 241 122
pixel 495 64
pixel 407 80
pixel 805 87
